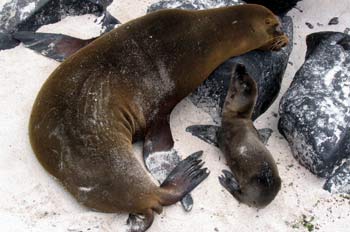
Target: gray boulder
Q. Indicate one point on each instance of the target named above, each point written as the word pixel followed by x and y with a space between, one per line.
pixel 29 15
pixel 315 110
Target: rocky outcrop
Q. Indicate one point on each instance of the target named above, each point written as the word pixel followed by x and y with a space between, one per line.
pixel 315 110
pixel 29 15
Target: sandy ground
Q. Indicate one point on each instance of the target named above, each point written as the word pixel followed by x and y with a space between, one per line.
pixel 31 200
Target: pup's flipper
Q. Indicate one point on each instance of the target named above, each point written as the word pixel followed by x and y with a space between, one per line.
pixel 207 133
pixel 229 182
pixel 55 46
pixel 159 156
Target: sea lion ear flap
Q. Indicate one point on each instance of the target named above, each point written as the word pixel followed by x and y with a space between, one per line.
pixel 55 46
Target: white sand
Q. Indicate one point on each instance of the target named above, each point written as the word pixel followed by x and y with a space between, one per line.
pixel 31 200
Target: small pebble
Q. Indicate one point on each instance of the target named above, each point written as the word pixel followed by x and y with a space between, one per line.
pixel 334 21
pixel 309 25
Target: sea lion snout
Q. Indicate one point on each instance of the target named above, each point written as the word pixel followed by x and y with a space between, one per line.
pixel 260 193
pixel 261 188
pixel 278 39
pixel 279 42
pixel 257 190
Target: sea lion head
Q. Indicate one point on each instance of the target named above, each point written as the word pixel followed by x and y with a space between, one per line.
pixel 259 188
pixel 265 28
pixel 242 93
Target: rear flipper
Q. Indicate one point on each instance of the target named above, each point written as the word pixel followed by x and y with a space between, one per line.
pixel 180 182
pixel 187 175
pixel 55 46
pixel 159 156
pixel 209 133
pixel 229 182
pixel 140 222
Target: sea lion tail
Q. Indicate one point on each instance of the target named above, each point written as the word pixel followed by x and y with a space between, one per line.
pixel 186 176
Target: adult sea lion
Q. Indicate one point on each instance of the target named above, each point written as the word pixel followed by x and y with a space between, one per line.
pixel 255 180
pixel 122 87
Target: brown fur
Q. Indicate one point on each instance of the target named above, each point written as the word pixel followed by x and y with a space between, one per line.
pixel 108 94
pixel 251 163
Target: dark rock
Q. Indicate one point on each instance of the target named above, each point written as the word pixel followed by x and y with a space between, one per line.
pixel 192 4
pixel 347 30
pixel 29 15
pixel 314 112
pixel 339 182
pixel 108 22
pixel 267 69
pixel 7 42
pixel 309 25
pixel 334 21
pixel 277 6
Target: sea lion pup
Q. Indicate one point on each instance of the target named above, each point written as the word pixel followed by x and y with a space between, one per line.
pixel 255 180
pixel 121 88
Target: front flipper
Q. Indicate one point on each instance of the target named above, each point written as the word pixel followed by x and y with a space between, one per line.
pixel 140 222
pixel 229 182
pixel 159 156
pixel 207 133
pixel 54 46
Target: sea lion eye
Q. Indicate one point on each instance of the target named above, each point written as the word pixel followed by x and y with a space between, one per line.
pixel 268 21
